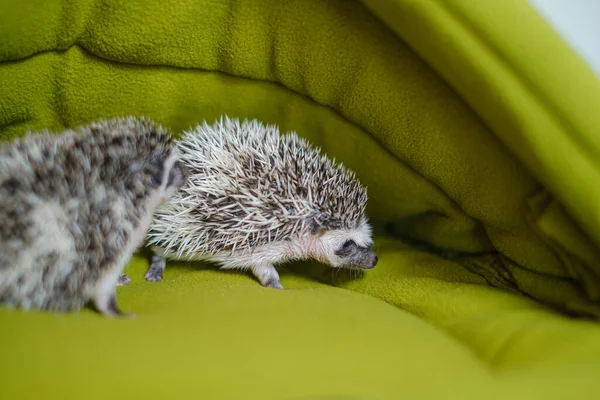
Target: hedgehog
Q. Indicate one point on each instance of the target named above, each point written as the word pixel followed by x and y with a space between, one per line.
pixel 256 198
pixel 75 205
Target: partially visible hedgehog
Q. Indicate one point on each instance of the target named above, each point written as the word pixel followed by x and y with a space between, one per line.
pixel 255 198
pixel 75 206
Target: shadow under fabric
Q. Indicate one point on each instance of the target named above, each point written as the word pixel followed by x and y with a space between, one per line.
pixel 474 127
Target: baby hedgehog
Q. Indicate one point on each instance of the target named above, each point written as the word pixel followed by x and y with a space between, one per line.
pixel 75 206
pixel 255 198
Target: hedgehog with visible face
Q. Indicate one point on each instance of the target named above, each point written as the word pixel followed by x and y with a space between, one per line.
pixel 75 206
pixel 254 199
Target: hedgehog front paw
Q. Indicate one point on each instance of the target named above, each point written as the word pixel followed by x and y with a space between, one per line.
pixel 156 270
pixel 267 276
pixel 123 280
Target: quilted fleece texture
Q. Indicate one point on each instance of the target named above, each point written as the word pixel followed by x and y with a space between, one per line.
pixel 478 166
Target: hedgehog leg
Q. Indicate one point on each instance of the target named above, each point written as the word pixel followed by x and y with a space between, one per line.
pixel 267 276
pixel 104 296
pixel 123 280
pixel 156 270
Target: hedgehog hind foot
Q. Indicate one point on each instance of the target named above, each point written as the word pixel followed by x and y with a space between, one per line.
pixel 106 304
pixel 267 276
pixel 123 280
pixel 156 270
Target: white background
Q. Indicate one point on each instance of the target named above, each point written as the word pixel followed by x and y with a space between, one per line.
pixel 578 22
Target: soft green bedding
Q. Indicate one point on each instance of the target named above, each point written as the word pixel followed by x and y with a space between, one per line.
pixel 473 126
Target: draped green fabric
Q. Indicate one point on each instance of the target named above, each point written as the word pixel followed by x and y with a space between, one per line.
pixel 474 127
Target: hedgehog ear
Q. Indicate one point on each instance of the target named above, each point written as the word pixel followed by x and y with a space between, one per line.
pixel 319 230
pixel 334 224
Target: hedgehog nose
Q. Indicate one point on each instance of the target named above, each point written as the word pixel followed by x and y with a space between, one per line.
pixel 375 259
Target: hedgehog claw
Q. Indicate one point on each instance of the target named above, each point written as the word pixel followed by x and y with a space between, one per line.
pixel 274 285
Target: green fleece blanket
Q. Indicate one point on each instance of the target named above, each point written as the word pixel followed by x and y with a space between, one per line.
pixel 478 163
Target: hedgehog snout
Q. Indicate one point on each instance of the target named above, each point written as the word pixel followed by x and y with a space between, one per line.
pixel 368 258
pixel 356 256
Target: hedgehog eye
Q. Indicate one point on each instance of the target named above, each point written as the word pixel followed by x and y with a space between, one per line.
pixel 347 244
pixel 347 249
